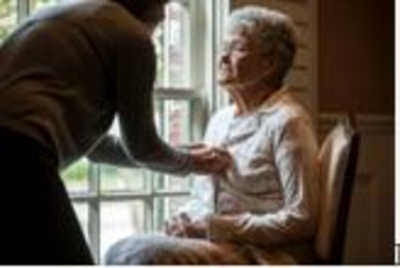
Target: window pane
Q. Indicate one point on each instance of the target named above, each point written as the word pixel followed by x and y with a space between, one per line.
pixel 8 17
pixel 172 183
pixel 165 207
pixel 172 119
pixel 113 178
pixel 175 128
pixel 172 47
pixel 82 212
pixel 178 124
pixel 76 176
pixel 38 4
pixel 119 220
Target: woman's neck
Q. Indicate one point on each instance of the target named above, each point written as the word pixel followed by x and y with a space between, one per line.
pixel 248 99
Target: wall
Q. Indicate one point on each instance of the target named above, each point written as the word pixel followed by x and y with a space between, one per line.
pixel 356 73
pixel 356 56
pixel 352 69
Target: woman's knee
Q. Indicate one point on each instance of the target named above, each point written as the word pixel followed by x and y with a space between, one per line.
pixel 140 249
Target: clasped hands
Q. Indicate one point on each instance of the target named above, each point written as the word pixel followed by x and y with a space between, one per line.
pixel 182 225
pixel 208 159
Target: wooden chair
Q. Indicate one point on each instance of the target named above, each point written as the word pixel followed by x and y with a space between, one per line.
pixel 338 158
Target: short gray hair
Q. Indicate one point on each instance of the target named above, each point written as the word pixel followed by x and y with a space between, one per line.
pixel 275 31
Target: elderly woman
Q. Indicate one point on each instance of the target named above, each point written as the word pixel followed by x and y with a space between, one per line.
pixel 264 209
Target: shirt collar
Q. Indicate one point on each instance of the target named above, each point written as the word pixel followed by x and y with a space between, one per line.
pixel 271 103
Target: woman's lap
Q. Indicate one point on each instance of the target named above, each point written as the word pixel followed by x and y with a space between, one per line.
pixel 161 249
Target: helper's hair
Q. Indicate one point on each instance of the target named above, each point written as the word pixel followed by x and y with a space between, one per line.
pixel 142 9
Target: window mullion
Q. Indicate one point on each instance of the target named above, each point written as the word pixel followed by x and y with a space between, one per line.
pixel 148 201
pixel 159 179
pixel 23 10
pixel 165 54
pixel 169 93
pixel 94 209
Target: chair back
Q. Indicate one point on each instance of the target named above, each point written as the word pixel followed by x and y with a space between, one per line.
pixel 337 160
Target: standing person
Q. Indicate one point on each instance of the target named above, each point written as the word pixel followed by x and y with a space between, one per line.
pixel 65 74
pixel 264 210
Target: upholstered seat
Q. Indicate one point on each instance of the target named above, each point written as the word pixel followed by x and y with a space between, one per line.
pixel 338 159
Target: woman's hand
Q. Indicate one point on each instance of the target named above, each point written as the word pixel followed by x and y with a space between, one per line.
pixel 175 226
pixel 212 160
pixel 182 226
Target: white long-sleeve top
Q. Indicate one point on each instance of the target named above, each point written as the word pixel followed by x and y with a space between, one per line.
pixel 270 196
pixel 69 70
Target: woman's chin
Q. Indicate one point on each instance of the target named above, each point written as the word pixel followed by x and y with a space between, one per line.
pixel 225 81
pixel 230 84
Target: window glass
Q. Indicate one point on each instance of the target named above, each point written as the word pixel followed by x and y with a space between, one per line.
pixel 113 178
pixel 38 4
pixel 172 47
pixel 8 17
pixel 119 220
pixel 165 207
pixel 177 121
pixel 76 176
pixel 82 212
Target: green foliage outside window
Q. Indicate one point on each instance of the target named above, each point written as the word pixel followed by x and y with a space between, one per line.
pixel 77 172
pixel 7 17
pixel 36 4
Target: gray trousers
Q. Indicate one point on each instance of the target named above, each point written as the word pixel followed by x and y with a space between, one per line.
pixel 167 250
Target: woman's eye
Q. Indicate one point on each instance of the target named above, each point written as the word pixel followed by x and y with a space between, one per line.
pixel 234 48
pixel 241 49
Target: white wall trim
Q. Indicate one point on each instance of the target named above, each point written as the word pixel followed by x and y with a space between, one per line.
pixel 366 123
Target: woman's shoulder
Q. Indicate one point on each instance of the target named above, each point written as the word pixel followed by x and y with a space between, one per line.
pixel 286 114
pixel 223 113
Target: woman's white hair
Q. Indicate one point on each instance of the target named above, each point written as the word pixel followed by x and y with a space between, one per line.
pixel 274 30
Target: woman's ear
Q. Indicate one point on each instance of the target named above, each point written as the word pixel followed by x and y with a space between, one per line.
pixel 269 66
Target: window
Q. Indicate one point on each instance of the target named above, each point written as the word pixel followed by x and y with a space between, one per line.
pixel 8 17
pixel 112 202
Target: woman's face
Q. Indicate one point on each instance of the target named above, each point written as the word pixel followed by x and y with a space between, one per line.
pixel 241 60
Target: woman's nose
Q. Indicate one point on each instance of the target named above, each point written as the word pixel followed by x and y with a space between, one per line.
pixel 224 57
